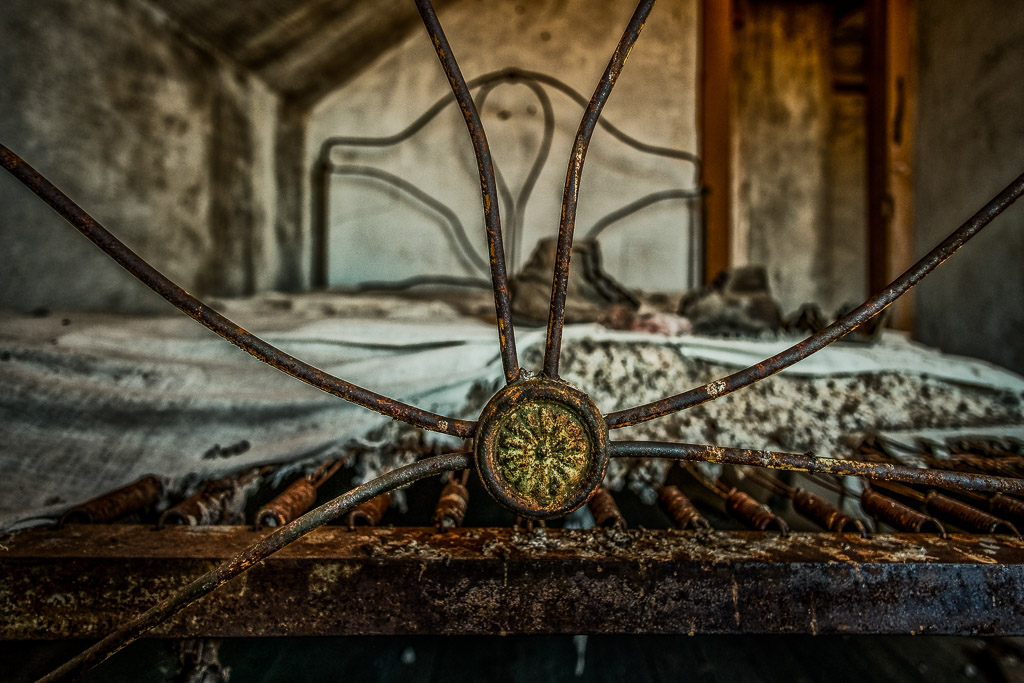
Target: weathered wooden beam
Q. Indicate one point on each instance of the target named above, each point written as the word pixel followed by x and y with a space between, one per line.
pixel 892 47
pixel 82 581
pixel 303 49
pixel 716 132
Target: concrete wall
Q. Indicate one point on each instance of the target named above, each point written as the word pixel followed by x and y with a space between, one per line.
pixel 374 235
pixel 970 145
pixel 798 157
pixel 167 144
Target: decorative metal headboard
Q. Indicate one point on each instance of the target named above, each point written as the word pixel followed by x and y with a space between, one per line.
pixel 513 207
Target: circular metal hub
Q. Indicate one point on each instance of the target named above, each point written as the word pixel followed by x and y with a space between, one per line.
pixel 541 447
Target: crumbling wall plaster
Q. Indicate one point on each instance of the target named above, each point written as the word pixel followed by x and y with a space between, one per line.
pixel 970 145
pixel 154 135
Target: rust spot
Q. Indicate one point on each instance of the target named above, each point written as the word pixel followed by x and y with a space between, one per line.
pixel 369 513
pixel 606 513
pixel 290 504
pixel 451 506
pixel 118 503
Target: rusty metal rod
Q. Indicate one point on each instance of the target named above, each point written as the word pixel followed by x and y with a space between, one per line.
pixel 810 505
pixel 570 197
pixel 837 330
pixel 125 500
pixel 451 506
pixel 754 515
pixel 201 313
pixel 683 513
pixel 488 189
pixel 1004 465
pixel 801 462
pixel 604 510
pixel 898 515
pixel 255 553
pixel 369 513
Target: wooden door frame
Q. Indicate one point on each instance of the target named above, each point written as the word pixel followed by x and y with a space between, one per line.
pixel 716 114
pixel 892 31
pixel 891 48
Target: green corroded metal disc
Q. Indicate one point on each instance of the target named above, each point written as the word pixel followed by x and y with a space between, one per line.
pixel 541 448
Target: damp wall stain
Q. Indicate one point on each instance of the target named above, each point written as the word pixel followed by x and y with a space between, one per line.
pixel 168 144
pixel 970 134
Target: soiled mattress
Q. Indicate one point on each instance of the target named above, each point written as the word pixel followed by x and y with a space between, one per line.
pixel 89 402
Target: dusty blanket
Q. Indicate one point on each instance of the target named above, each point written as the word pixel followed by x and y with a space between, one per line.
pixel 90 402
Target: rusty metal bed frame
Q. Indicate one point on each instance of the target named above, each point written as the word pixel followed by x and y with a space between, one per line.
pixel 540 448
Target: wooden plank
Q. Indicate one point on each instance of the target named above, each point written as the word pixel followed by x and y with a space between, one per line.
pixel 82 581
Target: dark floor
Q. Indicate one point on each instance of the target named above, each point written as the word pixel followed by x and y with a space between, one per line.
pixel 634 659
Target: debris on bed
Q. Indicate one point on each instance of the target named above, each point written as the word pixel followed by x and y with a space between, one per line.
pixel 97 405
pixel 214 501
pixel 784 412
pixel 739 303
pixel 389 447
pixel 645 319
pixel 590 291
pixel 736 303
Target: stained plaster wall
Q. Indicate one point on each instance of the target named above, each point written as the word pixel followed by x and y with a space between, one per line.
pixel 166 143
pixel 375 235
pixel 970 134
pixel 798 196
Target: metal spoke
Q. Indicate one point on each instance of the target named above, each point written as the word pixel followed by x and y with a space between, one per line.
pixel 799 462
pixel 837 330
pixel 492 219
pixel 570 197
pixel 251 556
pixel 216 322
